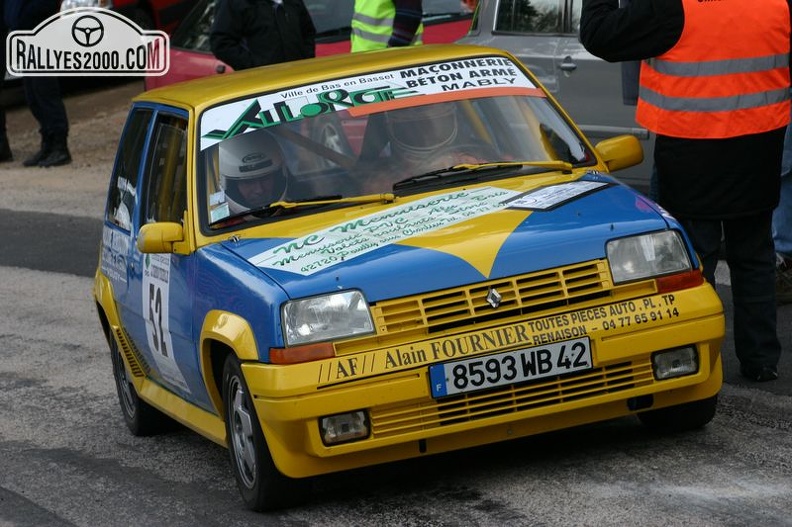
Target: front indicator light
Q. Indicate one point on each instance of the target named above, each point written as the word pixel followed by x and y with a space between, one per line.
pixel 299 354
pixel 676 282
pixel 343 428
pixel 675 363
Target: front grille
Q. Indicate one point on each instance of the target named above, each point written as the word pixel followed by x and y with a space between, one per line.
pixel 520 296
pixel 402 321
pixel 394 421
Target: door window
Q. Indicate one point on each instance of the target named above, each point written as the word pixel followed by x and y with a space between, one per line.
pixel 166 186
pixel 123 184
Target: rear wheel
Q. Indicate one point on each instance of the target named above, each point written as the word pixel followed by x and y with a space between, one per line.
pixel 681 418
pixel 260 483
pixel 141 418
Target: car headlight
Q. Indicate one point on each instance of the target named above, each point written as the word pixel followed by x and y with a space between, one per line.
pixel 326 317
pixel 647 255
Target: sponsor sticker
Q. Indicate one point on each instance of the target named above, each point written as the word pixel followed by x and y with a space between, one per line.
pixel 340 243
pixel 350 93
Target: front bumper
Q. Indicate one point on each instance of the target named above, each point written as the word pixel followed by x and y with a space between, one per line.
pixel 392 384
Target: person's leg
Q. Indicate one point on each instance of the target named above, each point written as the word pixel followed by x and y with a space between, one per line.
pixel 750 254
pixel 654 186
pixel 782 239
pixel 782 219
pixel 56 122
pixel 32 97
pixel 5 147
pixel 43 96
pixel 706 238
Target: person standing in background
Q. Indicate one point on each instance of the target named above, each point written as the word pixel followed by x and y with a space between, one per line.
pixel 381 24
pixel 630 73
pixel 782 227
pixel 250 33
pixel 5 148
pixel 719 115
pixel 42 94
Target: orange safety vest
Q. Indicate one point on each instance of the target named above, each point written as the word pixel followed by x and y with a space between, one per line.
pixel 727 76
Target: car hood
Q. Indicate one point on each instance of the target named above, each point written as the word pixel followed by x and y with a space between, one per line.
pixel 454 239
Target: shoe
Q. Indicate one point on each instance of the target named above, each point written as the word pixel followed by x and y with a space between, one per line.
pixel 761 374
pixel 783 280
pixel 56 157
pixel 35 159
pixel 58 153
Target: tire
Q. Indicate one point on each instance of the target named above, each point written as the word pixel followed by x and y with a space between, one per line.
pixel 262 486
pixel 141 418
pixel 681 418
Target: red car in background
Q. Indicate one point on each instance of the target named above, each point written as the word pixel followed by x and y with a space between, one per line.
pixel 148 14
pixel 191 57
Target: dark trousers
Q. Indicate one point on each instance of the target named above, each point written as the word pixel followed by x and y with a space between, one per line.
pixel 750 254
pixel 3 133
pixel 43 96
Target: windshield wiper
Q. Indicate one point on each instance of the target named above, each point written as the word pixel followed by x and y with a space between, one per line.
pixel 329 200
pixel 471 169
pixel 319 201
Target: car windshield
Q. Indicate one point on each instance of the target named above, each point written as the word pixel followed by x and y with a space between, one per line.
pixel 401 131
pixel 332 19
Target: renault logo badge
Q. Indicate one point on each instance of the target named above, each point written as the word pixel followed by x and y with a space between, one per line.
pixel 494 298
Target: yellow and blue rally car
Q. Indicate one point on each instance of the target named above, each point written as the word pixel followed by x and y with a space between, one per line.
pixel 353 260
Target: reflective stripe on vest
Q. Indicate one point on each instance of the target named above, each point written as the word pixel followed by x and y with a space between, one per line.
pixel 738 86
pixel 372 26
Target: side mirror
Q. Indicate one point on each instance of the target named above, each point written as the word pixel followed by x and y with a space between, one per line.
pixel 159 237
pixel 622 151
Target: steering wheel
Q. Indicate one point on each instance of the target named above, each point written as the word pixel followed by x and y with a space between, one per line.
pixel 461 153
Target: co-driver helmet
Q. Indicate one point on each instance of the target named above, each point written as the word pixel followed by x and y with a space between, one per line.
pixel 418 132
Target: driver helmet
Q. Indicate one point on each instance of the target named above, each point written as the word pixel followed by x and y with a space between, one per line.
pixel 418 132
pixel 252 171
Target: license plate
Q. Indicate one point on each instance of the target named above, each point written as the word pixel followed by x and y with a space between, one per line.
pixel 510 367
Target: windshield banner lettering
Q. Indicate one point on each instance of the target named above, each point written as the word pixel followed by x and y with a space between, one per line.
pixel 229 120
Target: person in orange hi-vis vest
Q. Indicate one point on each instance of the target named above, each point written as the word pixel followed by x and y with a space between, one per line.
pixel 714 88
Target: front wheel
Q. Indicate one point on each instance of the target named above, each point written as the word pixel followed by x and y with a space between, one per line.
pixel 680 418
pixel 260 483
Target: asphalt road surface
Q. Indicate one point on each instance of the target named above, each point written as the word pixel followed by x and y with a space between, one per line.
pixel 66 457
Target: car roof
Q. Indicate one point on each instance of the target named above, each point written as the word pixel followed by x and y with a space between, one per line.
pixel 199 94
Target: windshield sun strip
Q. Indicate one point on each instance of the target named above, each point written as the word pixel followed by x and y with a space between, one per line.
pixel 462 95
